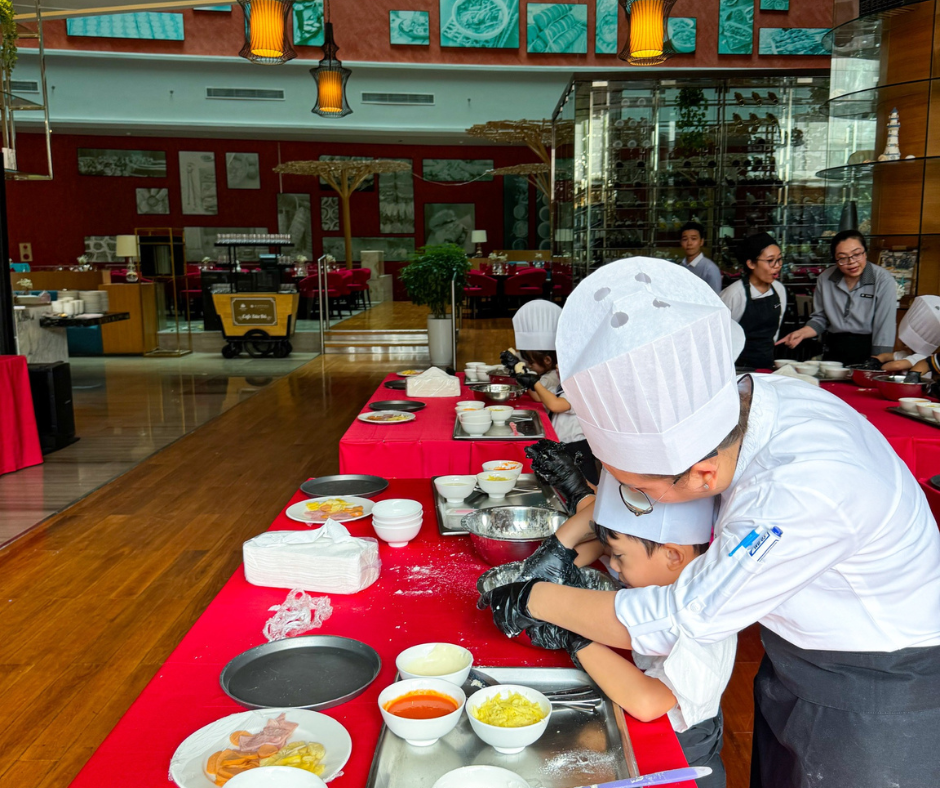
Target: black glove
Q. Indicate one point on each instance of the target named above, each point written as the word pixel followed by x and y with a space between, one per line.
pixel 556 467
pixel 527 379
pixel 510 607
pixel 554 638
pixel 509 360
pixel 912 377
pixel 552 562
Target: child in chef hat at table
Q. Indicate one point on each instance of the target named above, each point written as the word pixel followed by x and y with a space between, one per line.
pixel 535 324
pixel 652 550
pixel 919 332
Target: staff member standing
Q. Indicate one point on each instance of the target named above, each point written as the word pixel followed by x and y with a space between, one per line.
pixel 843 578
pixel 757 300
pixel 854 305
pixel 692 239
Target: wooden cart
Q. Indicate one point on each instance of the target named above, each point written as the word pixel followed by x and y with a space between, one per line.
pixel 259 323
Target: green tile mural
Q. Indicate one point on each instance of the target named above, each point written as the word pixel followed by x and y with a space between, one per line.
pixel 605 27
pixel 145 25
pixel 493 24
pixel 774 5
pixel 792 41
pixel 557 28
pixel 212 8
pixel 736 27
pixel 409 28
pixel 456 170
pixel 682 33
pixel 308 23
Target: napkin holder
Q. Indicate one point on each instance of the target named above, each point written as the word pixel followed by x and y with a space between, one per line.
pixel 433 383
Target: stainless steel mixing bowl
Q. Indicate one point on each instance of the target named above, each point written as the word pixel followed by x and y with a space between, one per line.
pixel 496 393
pixel 893 387
pixel 510 533
pixel 507 573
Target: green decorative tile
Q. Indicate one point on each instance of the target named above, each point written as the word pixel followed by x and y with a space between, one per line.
pixel 792 41
pixel 410 28
pixel 308 23
pixel 682 34
pixel 144 25
pixel 736 27
pixel 492 24
pixel 605 27
pixel 556 28
pixel 457 170
pixel 774 5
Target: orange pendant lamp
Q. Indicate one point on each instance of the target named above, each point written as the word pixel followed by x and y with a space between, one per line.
pixel 331 77
pixel 647 32
pixel 267 31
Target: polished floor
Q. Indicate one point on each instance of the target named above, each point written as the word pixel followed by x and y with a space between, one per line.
pixel 97 596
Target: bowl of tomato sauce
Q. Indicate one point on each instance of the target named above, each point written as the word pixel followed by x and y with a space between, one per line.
pixel 421 711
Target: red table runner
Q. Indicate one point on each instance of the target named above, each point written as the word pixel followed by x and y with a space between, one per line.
pixel 426 592
pixel 19 439
pixel 425 447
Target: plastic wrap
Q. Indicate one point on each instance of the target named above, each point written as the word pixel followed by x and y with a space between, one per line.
pixel 297 614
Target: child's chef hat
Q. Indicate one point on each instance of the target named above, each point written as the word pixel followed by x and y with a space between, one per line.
pixel 689 522
pixel 646 354
pixel 535 325
pixel 920 327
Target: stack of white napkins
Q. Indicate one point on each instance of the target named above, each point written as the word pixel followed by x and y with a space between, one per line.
pixel 328 560
pixel 433 383
pixel 789 371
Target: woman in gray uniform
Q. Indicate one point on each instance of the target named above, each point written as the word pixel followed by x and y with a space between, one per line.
pixel 854 305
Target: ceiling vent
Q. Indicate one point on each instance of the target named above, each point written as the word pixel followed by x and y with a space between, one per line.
pixel 24 86
pixel 245 94
pixel 412 99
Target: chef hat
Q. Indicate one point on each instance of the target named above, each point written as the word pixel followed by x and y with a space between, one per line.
pixel 689 522
pixel 535 325
pixel 646 354
pixel 920 327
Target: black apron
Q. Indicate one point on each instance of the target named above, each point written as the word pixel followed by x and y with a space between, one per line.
pixel 701 745
pixel 760 322
pixel 847 348
pixel 844 719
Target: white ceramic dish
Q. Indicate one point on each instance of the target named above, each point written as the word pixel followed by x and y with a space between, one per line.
pixel 783 362
pixel 909 404
pixel 455 489
pixel 481 777
pixel 836 373
pixel 807 369
pixel 503 466
pixel 831 365
pixel 421 733
pixel 470 404
pixel 475 415
pixel 188 765
pixel 301 514
pixel 393 508
pixel 498 486
pixel 926 410
pixel 397 535
pixel 500 413
pixel 509 741
pixel 386 417
pixel 409 654
pixel 276 777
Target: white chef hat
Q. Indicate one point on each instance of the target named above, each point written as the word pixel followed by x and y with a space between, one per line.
pixel 646 354
pixel 535 325
pixel 689 522
pixel 920 327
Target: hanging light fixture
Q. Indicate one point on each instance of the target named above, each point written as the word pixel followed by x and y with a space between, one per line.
pixel 331 77
pixel 648 41
pixel 267 31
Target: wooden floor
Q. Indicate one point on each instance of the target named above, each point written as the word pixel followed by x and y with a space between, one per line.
pixel 400 315
pixel 96 597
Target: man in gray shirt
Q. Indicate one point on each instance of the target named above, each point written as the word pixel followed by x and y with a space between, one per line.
pixel 854 305
pixel 692 239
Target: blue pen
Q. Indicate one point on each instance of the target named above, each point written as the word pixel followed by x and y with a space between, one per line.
pixel 758 541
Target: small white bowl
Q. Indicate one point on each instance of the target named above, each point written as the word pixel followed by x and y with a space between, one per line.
pixel 410 654
pixel 277 777
pixel 784 362
pixel 830 364
pixel 396 507
pixel 481 777
pixel 909 404
pixel 480 364
pixel 397 535
pixel 477 428
pixel 470 404
pixel 503 466
pixel 926 409
pixel 500 413
pixel 421 733
pixel 807 369
pixel 837 373
pixel 475 416
pixel 471 374
pixel 455 489
pixel 509 741
pixel 496 488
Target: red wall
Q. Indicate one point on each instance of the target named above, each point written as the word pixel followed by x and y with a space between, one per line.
pixel 55 216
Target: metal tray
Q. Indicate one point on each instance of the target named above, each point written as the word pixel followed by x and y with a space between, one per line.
pixel 397 385
pixel 407 405
pixel 314 672
pixel 576 749
pixel 529 491
pixel 914 417
pixel 344 484
pixel 529 428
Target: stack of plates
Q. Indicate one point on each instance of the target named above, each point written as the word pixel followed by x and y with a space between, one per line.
pixel 95 301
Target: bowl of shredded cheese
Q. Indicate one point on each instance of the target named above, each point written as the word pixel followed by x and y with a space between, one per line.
pixel 509 717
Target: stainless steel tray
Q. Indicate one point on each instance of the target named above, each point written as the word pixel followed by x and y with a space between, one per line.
pixel 529 491
pixel 914 417
pixel 577 748
pixel 528 428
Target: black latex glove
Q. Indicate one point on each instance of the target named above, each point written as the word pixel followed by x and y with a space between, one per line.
pixel 527 379
pixel 554 638
pixel 556 467
pixel 552 562
pixel 510 605
pixel 509 360
pixel 912 377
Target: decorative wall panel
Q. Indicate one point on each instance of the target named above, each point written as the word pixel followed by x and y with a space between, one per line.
pixel 605 27
pixel 457 170
pixel 409 28
pixel 736 27
pixel 792 41
pixel 146 25
pixel 491 24
pixel 397 201
pixel 556 28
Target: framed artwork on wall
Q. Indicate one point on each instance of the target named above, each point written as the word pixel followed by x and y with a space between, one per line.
pixel 774 5
pixel 792 41
pixel 736 27
pixel 449 223
pixel 122 163
pixel 397 201
pixel 605 27
pixel 145 25
pixel 101 248
pixel 395 249
pixel 197 183
pixel 409 28
pixel 308 23
pixel 153 201
pixel 682 33
pixel 329 214
pixel 293 216
pixel 491 24
pixel 556 28
pixel 457 170
pixel 242 171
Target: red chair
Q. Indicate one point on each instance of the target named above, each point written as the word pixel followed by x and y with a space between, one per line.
pixel 358 284
pixel 527 284
pixel 562 286
pixel 478 287
pixel 336 292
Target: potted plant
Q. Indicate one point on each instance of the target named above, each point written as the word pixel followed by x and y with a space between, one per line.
pixel 427 278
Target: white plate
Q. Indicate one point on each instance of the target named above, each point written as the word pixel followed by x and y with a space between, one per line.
pixel 376 417
pixel 301 514
pixel 409 373
pixel 188 766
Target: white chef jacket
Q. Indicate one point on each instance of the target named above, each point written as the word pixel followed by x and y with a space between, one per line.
pixel 904 355
pixel 733 298
pixel 858 565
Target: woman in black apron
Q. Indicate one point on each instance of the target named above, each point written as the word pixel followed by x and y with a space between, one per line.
pixel 761 259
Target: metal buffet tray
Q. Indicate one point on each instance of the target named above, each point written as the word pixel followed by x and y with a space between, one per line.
pixel 914 417
pixel 529 491
pixel 529 428
pixel 576 749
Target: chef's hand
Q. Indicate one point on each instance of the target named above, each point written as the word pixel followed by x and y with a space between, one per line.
pixel 897 366
pixel 527 379
pixel 510 605
pixel 556 467
pixel 554 638
pixel 794 338
pixel 509 360
pixel 552 562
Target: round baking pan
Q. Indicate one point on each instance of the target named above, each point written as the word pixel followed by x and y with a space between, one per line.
pixel 407 405
pixel 397 385
pixel 360 484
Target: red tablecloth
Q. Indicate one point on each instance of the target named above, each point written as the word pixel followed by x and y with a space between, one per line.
pixel 19 440
pixel 426 447
pixel 426 592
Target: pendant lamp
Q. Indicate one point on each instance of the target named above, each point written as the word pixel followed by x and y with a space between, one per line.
pixel 648 41
pixel 331 77
pixel 268 30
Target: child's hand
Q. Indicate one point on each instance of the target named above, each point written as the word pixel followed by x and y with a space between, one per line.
pixel 509 360
pixel 510 605
pixel 552 463
pixel 897 366
pixel 552 562
pixel 527 379
pixel 551 637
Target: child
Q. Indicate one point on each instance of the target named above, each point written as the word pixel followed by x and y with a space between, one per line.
pixel 919 332
pixel 534 325
pixel 692 239
pixel 648 550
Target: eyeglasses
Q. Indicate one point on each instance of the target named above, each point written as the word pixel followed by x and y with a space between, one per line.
pixel 851 258
pixel 639 502
pixel 775 263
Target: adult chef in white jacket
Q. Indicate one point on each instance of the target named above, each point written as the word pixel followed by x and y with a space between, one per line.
pixel 823 535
